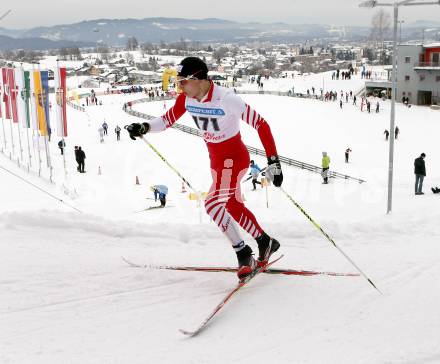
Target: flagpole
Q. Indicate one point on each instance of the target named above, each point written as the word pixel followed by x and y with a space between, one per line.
pixel 10 114
pixel 35 116
pixel 14 91
pixel 59 91
pixel 46 144
pixel 25 97
pixel 2 90
pixel 3 123
pixel 4 135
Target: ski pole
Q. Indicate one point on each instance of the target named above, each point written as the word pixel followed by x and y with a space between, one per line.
pixel 329 238
pixel 168 164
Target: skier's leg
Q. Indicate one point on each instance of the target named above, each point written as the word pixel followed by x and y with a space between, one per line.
pixel 215 205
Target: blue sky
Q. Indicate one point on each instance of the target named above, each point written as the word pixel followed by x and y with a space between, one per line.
pixel 26 14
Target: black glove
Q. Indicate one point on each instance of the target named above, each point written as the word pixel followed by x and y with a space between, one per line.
pixel 137 129
pixel 273 171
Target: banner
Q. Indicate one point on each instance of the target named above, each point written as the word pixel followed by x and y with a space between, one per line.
pixel 27 97
pixel 60 107
pixel 21 106
pixel 39 102
pixel 13 94
pixel 46 105
pixel 5 87
pixel 1 95
pixel 33 101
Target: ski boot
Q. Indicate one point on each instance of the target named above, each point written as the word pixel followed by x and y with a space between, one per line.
pixel 266 247
pixel 246 262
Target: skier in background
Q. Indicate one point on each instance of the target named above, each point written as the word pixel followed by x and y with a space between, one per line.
pixel 160 192
pixel 217 112
pixel 255 171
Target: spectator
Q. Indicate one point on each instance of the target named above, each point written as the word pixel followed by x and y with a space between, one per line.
pixel 62 145
pixel 101 134
pixel 105 127
pixel 118 132
pixel 325 166
pixel 81 159
pixel 387 134
pixel 77 158
pixel 347 154
pixel 420 172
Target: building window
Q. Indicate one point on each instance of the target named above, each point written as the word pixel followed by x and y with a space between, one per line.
pixel 437 78
pixel 406 78
pixel 407 59
pixel 422 77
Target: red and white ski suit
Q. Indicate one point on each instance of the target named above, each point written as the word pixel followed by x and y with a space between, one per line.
pixel 218 115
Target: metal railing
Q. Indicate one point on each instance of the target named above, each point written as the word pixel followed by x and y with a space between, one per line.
pixel 427 64
pixel 252 150
pixel 75 106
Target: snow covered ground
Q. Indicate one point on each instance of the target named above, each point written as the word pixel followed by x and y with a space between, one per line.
pixel 67 296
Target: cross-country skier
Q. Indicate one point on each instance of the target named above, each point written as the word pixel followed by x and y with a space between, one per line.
pixel 255 171
pixel 217 112
pixel 160 191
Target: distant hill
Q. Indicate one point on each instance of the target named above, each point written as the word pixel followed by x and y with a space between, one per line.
pixel 37 43
pixel 425 24
pixel 115 32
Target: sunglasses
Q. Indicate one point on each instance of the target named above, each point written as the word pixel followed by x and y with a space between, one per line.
pixel 183 81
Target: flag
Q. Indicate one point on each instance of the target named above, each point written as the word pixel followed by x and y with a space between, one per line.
pixel 13 94
pixel 5 87
pixel 45 87
pixel 39 103
pixel 1 95
pixel 33 101
pixel 21 97
pixel 60 92
pixel 27 96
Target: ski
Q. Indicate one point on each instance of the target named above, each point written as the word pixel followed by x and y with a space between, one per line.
pixel 296 272
pixel 152 208
pixel 240 285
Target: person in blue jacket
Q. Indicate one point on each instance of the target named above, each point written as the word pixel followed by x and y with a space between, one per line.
pixel 160 191
pixel 255 171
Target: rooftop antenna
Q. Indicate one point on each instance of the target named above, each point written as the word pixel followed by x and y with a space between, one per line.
pixel 5 14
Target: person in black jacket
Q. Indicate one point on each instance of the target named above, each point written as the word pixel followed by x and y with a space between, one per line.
pixel 420 172
pixel 77 157
pixel 81 158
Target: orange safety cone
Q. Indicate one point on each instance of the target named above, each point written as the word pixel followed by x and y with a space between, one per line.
pixel 137 180
pixel 99 170
pixel 183 187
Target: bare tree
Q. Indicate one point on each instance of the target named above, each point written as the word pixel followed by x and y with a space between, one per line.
pixel 380 26
pixel 132 44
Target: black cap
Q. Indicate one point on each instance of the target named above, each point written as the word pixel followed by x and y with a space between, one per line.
pixel 193 66
pixel 423 155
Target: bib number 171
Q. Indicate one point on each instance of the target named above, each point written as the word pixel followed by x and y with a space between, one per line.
pixel 205 121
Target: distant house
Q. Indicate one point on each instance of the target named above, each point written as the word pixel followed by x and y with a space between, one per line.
pixel 418 73
pixel 137 76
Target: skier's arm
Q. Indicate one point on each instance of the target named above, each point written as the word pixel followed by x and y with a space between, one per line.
pixel 170 117
pixel 254 119
pixel 158 124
